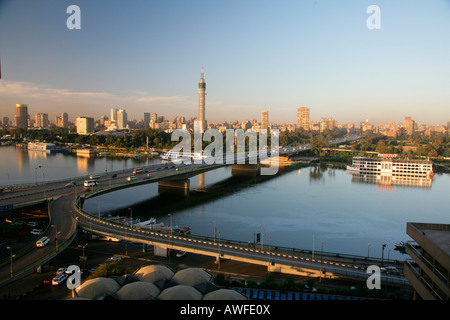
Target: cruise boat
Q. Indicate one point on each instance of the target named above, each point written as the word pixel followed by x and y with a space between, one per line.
pixel 43 147
pixel 390 165
pixel 180 156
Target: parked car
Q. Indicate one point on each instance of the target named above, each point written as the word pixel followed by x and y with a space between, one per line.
pixel 130 178
pixel 32 224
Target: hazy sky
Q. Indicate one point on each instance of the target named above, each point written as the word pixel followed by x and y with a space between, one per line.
pixel 146 56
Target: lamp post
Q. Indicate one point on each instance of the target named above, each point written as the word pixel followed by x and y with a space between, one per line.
pixel 368 247
pixel 262 238
pixel 321 259
pixel 313 249
pixel 56 235
pixel 269 255
pixel 382 252
pixel 131 217
pixel 214 231
pixel 218 262
pixel 11 257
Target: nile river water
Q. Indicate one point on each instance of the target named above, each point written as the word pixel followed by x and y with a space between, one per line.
pixel 320 208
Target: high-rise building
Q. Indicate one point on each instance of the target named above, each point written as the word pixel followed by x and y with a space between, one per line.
pixel 41 120
pixel 327 124
pixel 85 125
pixel 5 122
pixel 62 121
pixel 146 119
pixel 201 124
pixel 21 117
pixel 303 118
pixel 409 126
pixel 122 120
pixel 113 114
pixel 265 119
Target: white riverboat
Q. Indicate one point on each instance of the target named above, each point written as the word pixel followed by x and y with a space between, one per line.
pixel 390 165
pixel 43 147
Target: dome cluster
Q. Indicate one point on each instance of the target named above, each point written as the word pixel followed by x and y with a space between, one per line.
pixel 157 282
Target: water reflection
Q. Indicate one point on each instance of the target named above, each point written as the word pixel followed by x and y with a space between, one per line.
pixel 388 181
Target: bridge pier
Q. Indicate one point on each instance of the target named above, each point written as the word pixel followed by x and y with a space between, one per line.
pixel 245 170
pixel 174 186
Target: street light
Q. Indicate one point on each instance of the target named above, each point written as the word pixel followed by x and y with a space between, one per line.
pixel 313 249
pixel 131 216
pixel 382 252
pixel 214 231
pixel 56 235
pixel 368 247
pixel 12 256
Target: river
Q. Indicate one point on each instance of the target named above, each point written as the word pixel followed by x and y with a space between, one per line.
pixel 320 208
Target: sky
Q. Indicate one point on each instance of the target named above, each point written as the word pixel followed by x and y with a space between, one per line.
pixel 146 56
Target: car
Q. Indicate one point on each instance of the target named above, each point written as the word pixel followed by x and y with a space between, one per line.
pixel 59 279
pixel 130 178
pixel 392 270
pixel 61 270
pixel 94 176
pixel 49 279
pixel 71 184
pixel 42 242
pixel 180 254
pixel 32 224
pixel 114 175
pixel 36 232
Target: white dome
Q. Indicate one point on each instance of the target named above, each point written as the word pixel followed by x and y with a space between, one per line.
pixel 180 292
pixel 97 287
pixel 224 294
pixel 192 276
pixel 139 290
pixel 154 273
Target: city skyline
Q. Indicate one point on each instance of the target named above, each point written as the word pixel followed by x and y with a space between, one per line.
pixel 257 56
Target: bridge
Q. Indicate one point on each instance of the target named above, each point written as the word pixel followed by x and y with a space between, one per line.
pixel 66 214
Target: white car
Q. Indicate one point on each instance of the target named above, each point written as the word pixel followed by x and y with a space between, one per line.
pixel 36 232
pixel 131 178
pixel 71 184
pixel 61 270
pixel 59 279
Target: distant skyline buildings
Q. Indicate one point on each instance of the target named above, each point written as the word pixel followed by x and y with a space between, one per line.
pixel 268 56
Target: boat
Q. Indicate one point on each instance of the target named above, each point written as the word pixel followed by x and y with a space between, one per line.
pixel 180 156
pixel 389 164
pixel 48 148
pixel 86 153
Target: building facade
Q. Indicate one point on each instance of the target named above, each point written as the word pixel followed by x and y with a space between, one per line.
pixel 21 117
pixel 265 120
pixel 303 118
pixel 85 125
pixel 122 119
pixel 429 270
